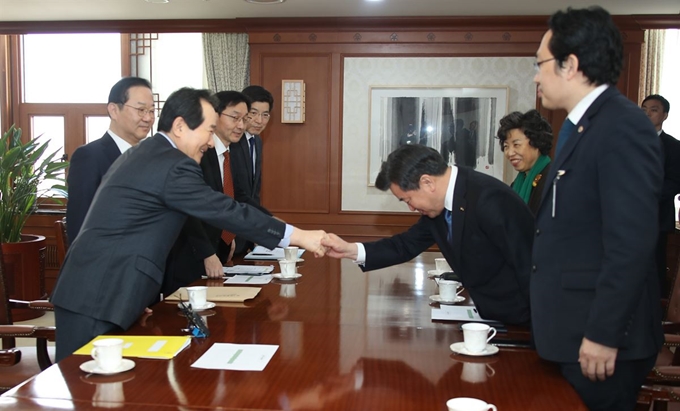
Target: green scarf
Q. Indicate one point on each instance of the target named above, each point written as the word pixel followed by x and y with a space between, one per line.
pixel 523 184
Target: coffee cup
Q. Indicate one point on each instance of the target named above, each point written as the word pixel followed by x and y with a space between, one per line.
pixel 469 404
pixel 441 265
pixel 108 354
pixel 287 268
pixel 198 296
pixel 290 253
pixel 476 336
pixel 448 289
pixel 474 372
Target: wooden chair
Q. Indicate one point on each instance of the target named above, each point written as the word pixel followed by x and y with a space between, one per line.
pixel 20 364
pixel 62 239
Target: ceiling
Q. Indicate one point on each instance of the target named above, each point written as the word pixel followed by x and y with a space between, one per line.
pixel 36 10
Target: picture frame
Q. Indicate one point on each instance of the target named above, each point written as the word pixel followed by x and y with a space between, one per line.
pixel 460 122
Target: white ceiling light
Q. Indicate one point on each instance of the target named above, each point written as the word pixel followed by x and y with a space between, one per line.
pixel 158 1
pixel 265 1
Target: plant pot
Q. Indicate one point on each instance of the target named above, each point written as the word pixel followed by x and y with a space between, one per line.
pixel 25 272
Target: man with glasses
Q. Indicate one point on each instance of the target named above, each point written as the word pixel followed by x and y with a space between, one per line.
pixel 202 249
pixel 131 109
pixel 247 155
pixel 594 290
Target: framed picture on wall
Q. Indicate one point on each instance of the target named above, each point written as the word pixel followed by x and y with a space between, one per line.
pixel 458 121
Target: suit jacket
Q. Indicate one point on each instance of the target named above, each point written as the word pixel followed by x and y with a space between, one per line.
pixel 537 192
pixel 88 166
pixel 594 273
pixel 490 248
pixel 197 240
pixel 671 181
pixel 247 184
pixel 115 267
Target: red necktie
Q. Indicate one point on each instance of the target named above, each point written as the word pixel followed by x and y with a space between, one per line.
pixel 228 189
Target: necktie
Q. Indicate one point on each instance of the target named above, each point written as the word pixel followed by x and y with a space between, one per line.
pixel 251 143
pixel 228 189
pixel 563 136
pixel 447 217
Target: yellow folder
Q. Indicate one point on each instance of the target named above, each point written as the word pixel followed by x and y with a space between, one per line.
pixel 154 346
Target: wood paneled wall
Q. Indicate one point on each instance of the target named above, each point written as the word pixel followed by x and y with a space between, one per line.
pixel 302 163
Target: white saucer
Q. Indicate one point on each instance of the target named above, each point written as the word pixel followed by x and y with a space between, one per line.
pixel 278 276
pixel 459 348
pixel 91 367
pixel 299 260
pixel 437 299
pixel 208 305
pixel 434 273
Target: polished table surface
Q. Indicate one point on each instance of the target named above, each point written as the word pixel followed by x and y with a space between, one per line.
pixel 347 341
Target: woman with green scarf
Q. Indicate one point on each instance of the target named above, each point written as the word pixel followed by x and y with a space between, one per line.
pixel 526 140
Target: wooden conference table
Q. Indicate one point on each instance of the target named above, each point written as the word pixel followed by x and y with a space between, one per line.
pixel 347 341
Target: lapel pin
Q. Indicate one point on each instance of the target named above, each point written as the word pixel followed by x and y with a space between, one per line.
pixel 462 209
pixel 580 129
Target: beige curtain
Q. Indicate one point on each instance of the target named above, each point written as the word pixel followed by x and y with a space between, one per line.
pixel 226 57
pixel 652 61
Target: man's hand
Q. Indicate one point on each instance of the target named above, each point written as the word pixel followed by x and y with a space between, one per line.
pixel 339 248
pixel 213 267
pixel 597 360
pixel 309 240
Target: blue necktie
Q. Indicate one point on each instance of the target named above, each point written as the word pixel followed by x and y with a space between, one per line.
pixel 563 136
pixel 447 217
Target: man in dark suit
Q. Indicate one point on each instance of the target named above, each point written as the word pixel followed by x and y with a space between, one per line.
pixel 131 109
pixel 115 267
pixel 594 291
pixel 656 108
pixel 487 241
pixel 246 156
pixel 202 249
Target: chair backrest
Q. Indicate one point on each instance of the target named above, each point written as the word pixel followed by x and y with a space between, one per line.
pixel 62 239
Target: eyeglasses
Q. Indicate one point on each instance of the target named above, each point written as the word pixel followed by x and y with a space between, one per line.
pixel 537 65
pixel 245 118
pixel 143 111
pixel 265 116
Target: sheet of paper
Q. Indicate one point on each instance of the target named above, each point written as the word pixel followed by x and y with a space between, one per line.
pixel 249 279
pixel 239 357
pixel 219 294
pixel 248 269
pixel 457 313
pixel 261 253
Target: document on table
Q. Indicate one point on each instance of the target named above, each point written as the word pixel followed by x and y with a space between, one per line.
pixel 245 279
pixel 261 253
pixel 238 357
pixel 457 313
pixel 248 269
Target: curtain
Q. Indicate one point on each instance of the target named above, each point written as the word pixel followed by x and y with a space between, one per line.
pixel 226 61
pixel 651 64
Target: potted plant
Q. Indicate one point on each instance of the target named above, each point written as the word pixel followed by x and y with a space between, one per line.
pixel 23 169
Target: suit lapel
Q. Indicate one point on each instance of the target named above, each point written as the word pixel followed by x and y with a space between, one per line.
pixel 576 136
pixel 458 213
pixel 258 158
pixel 245 148
pixel 110 148
pixel 211 170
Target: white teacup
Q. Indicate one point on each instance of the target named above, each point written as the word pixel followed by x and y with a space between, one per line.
pixel 287 291
pixel 448 289
pixel 287 268
pixel 441 265
pixel 474 372
pixel 469 404
pixel 198 296
pixel 290 253
pixel 476 336
pixel 108 354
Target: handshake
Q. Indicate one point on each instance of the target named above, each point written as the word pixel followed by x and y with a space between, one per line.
pixel 321 243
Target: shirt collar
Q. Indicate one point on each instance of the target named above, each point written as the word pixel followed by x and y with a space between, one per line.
pixel 580 109
pixel 220 148
pixel 122 145
pixel 168 138
pixel 448 201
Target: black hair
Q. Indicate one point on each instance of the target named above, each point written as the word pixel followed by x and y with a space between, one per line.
pixel 230 98
pixel 666 105
pixel 591 36
pixel 185 103
pixel 405 166
pixel 120 92
pixel 258 94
